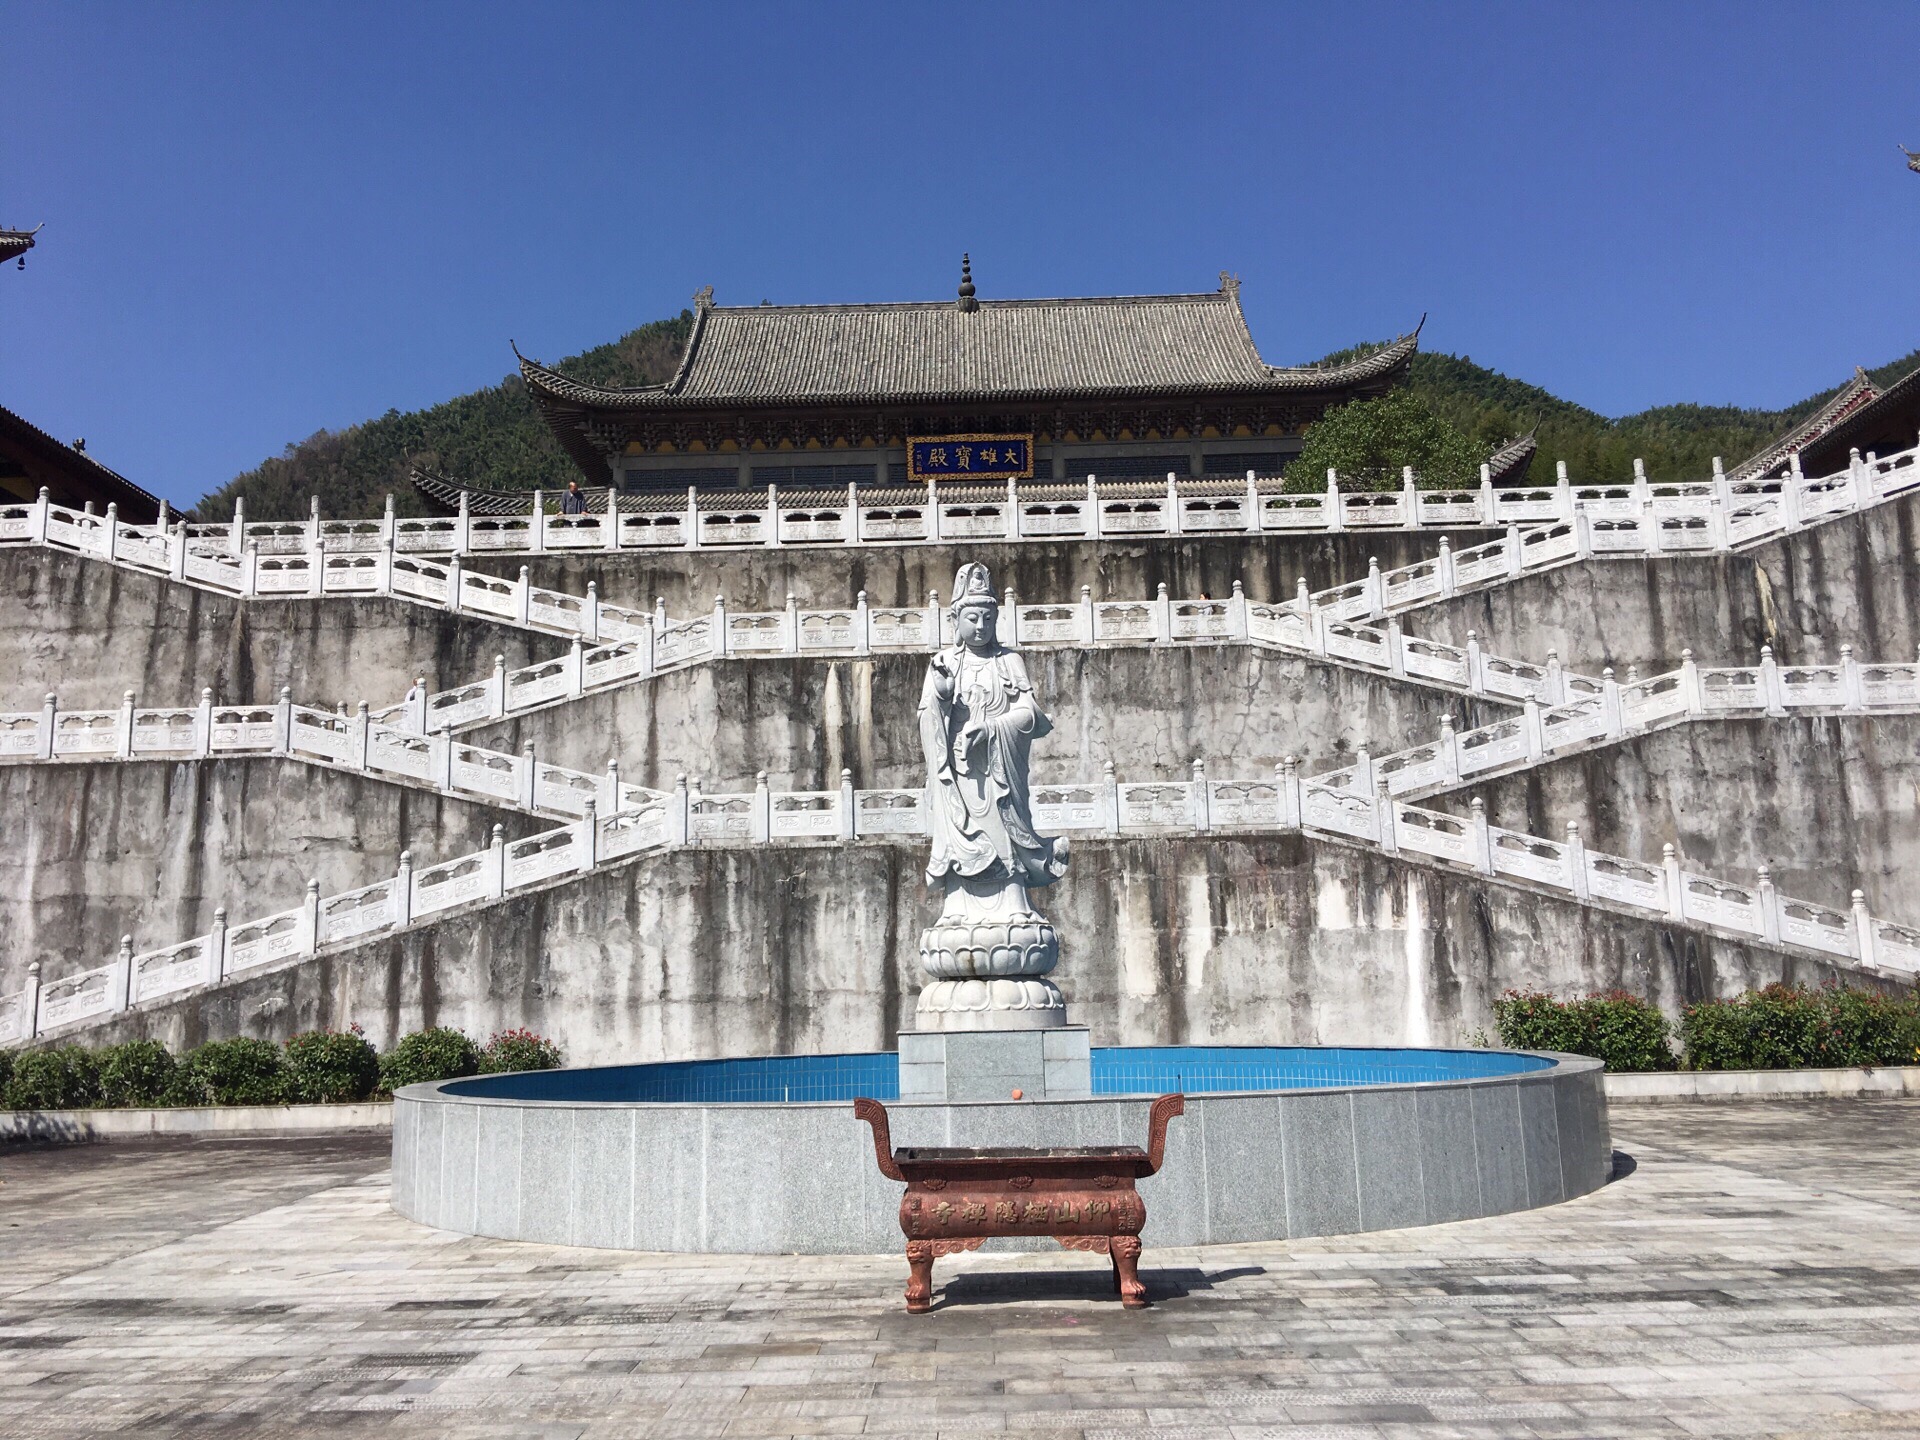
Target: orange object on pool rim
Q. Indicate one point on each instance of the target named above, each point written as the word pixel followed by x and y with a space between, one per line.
pixel 1016 1095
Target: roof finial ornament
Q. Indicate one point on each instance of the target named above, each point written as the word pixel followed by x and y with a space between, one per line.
pixel 1913 160
pixel 1229 283
pixel 703 298
pixel 966 300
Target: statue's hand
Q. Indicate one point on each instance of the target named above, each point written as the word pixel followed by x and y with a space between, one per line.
pixel 943 679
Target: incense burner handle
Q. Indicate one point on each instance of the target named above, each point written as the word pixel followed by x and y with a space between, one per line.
pixel 875 1114
pixel 1164 1109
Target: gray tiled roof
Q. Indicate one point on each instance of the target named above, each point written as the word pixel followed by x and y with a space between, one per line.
pixel 1003 349
pixel 1850 397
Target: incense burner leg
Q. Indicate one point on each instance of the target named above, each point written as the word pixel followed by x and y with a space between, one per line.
pixel 1126 1258
pixel 920 1276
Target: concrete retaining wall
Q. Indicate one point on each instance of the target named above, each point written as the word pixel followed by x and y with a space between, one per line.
pixel 151 848
pixel 1830 803
pixel 785 1179
pixel 814 949
pixel 89 631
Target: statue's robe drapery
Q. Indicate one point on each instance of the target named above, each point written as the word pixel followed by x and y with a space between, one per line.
pixel 976 747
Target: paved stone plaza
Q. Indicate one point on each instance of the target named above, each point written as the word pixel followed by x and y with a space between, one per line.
pixel 1753 1270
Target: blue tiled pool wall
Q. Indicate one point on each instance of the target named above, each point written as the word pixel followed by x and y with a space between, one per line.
pixel 1120 1070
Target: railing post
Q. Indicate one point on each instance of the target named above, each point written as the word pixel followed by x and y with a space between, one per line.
pixel 1768 900
pixel 1253 504
pixel 463 529
pixel 718 641
pixel 1773 692
pixel 112 551
pixel 497 688
pixel 677 814
pixel 523 597
pixel 590 615
pixel 933 512
pixel 417 710
pixel 217 948
pixel 1162 617
pixel 387 528
pixel 1449 750
pixel 1013 509
pixel 1376 596
pixel 1790 496
pixel 317 565
pixel 693 518
pixel 1110 796
pixel 1093 509
pixel 1409 500
pixel 1202 810
pixel 49 716
pixel 1482 844
pixel 1562 493
pixel 1384 819
pixel 497 863
pixel 283 721
pixel 863 630
pixel 760 822
pixel 1863 924
pixel 1850 683
pixel 310 919
pixel 846 805
pixel 1363 771
pixel 203 723
pixel 537 525
pixel 177 551
pixel 1288 779
pixel 1489 502
pixel 1009 621
pixel 1610 707
pixel 383 567
pixel 1336 517
pixel 250 571
pixel 357 741
pixel 790 626
pixel 1087 616
pixel 1174 526
pixel 313 522
pixel 440 760
pixel 587 827
pixel 1512 551
pixel 576 668
pixel 773 515
pixel 1556 681
pixel 1237 613
pixel 456 581
pixel 659 616
pixel 1577 863
pixel 933 629
pixel 1690 684
pixel 1396 647
pixel 1476 665
pixel 1444 565
pixel 32 999
pixel 610 525
pixel 1676 891
pixel 123 729
pixel 1583 534
pixel 403 892
pixel 529 778
pixel 120 986
pixel 42 514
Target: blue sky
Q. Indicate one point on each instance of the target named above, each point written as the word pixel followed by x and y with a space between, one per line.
pixel 266 220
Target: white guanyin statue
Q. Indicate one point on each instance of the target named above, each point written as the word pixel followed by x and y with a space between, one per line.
pixel 988 951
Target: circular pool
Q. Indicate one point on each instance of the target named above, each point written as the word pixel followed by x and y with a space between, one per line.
pixel 764 1155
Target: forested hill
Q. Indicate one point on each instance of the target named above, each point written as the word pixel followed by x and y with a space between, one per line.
pixel 495 437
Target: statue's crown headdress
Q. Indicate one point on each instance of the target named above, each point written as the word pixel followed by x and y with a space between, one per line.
pixel 973 585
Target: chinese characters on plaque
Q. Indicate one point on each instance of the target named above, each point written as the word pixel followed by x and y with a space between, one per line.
pixel 971 457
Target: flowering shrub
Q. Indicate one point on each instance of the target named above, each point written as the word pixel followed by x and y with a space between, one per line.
pixel 436 1054
pixel 140 1072
pixel 231 1072
pixel 1625 1031
pixel 328 1067
pixel 1785 1027
pixel 511 1050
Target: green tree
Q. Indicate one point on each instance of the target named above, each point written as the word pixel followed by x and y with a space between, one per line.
pixel 1366 442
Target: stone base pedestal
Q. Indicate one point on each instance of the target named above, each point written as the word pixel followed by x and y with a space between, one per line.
pixel 1014 1002
pixel 945 1065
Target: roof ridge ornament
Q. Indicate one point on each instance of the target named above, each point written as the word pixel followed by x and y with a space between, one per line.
pixel 966 301
pixel 703 298
pixel 1229 283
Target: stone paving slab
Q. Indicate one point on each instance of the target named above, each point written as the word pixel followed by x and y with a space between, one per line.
pixel 1749 1272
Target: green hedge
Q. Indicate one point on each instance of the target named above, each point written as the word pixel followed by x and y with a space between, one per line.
pixel 317 1067
pixel 1782 1027
pixel 1625 1031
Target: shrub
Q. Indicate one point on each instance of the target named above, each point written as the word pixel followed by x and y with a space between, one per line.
pixel 62 1077
pixel 1784 1027
pixel 512 1050
pixel 436 1054
pixel 6 1074
pixel 1625 1031
pixel 231 1072
pixel 140 1072
pixel 327 1067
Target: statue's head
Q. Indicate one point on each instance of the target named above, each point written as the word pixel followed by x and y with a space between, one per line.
pixel 975 608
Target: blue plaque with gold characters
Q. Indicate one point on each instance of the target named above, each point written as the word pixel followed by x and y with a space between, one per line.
pixel 971 457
